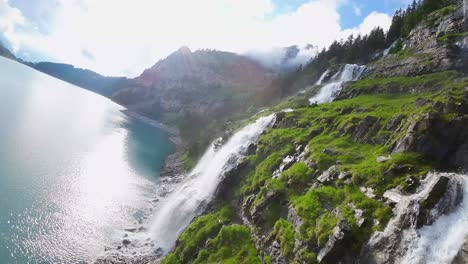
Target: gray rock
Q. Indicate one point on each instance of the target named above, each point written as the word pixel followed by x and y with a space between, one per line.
pixel 336 247
pixel 330 152
pixel 394 123
pixel 383 158
pixel 462 256
pixel 329 175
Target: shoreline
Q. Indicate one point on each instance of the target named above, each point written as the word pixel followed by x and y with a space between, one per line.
pixel 172 172
pixel 172 163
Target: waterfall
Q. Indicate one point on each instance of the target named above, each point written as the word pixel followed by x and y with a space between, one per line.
pixel 349 72
pixel 192 196
pixel 319 82
pixel 413 242
pixel 441 241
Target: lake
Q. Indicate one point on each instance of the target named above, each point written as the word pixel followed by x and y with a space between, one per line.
pixel 74 169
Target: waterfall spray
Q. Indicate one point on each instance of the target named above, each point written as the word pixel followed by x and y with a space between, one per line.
pixel 441 241
pixel 420 236
pixel 191 198
pixel 349 72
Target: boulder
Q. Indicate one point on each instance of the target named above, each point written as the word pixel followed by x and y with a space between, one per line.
pixel 329 175
pixel 383 158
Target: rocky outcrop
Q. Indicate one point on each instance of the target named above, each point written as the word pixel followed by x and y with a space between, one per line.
pixel 424 51
pixel 335 250
pixel 441 140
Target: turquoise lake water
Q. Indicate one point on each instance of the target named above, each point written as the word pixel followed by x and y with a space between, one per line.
pixel 74 170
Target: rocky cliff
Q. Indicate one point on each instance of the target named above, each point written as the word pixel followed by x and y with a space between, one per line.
pixel 367 178
pixel 430 47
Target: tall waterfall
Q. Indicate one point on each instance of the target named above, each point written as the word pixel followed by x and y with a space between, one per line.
pixel 191 198
pixel 441 241
pixel 349 72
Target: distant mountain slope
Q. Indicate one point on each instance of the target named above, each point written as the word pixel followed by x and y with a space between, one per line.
pixel 84 78
pixel 6 53
pixel 198 91
pixel 200 83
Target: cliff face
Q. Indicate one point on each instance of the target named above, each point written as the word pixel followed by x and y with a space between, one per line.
pixel 351 181
pixel 430 47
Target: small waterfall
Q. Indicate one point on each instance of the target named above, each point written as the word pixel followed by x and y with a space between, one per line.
pixel 319 82
pixel 414 235
pixel 349 72
pixel 441 241
pixel 191 198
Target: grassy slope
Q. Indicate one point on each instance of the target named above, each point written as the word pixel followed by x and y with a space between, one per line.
pixel 315 205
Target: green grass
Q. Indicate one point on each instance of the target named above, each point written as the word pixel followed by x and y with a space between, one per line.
pixel 232 245
pixel 452 36
pixel 433 81
pixel 317 211
pixel 194 236
pixel 283 232
pixel 322 206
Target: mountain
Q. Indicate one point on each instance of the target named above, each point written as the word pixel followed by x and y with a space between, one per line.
pixel 373 173
pixel 198 90
pixel 6 53
pixel 201 83
pixel 83 78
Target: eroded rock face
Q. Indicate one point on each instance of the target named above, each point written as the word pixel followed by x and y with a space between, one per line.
pixel 444 141
pixel 336 247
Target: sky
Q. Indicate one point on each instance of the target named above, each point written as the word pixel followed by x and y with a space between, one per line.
pixel 123 37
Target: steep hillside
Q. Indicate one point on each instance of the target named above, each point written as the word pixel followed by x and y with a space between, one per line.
pixel 4 52
pixel 362 179
pixel 83 78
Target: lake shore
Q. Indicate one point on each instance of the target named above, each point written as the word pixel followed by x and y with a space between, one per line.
pixel 172 165
pixel 172 173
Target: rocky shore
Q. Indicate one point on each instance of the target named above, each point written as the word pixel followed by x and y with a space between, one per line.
pixel 133 251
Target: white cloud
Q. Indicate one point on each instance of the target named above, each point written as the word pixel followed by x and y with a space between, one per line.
pixel 373 20
pixel 124 37
pixel 10 19
pixel 357 9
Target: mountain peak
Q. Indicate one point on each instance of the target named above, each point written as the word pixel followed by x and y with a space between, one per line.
pixel 184 50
